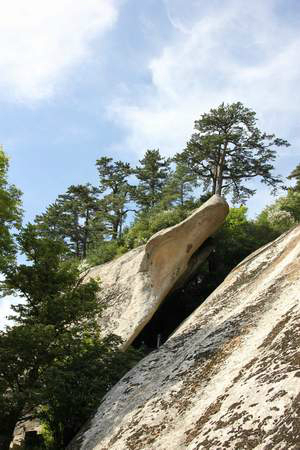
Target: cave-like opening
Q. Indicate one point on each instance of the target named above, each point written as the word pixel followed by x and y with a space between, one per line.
pixel 177 306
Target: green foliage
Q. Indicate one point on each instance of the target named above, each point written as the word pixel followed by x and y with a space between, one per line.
pixel 239 237
pixel 113 178
pixel 74 218
pixel 54 357
pixel 104 251
pixel 10 213
pixel 150 223
pixel 179 187
pixel 291 204
pixel 152 175
pixel 283 213
pixel 74 385
pixel 296 175
pixel 228 148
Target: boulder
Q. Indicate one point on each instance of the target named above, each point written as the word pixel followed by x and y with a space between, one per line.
pixel 134 285
pixel 229 376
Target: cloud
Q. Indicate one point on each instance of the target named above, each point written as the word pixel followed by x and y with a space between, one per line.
pixel 42 40
pixel 221 51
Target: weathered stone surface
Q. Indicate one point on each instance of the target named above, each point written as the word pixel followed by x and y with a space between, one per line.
pixel 27 430
pixel 228 378
pixel 134 285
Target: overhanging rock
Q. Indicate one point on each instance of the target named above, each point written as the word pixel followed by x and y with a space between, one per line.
pixel 134 285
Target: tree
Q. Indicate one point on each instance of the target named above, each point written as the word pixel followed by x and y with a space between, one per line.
pixel 53 359
pixel 113 177
pixel 75 218
pixel 10 213
pixel 228 148
pixel 283 214
pixel 296 174
pixel 152 174
pixel 179 187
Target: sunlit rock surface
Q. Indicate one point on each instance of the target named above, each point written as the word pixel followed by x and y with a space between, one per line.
pixel 134 285
pixel 229 378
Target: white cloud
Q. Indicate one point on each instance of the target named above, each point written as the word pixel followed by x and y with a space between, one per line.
pixel 222 51
pixel 42 39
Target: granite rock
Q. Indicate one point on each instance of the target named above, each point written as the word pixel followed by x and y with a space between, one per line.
pixel 134 285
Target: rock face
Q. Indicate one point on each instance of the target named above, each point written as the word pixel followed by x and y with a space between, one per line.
pixel 134 285
pixel 27 433
pixel 228 378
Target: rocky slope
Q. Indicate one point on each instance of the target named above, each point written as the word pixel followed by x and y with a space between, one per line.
pixel 228 378
pixel 134 285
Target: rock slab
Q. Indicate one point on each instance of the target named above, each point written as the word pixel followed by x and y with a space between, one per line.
pixel 228 378
pixel 135 284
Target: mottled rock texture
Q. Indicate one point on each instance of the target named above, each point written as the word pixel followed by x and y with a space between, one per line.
pixel 134 285
pixel 228 378
pixel 27 430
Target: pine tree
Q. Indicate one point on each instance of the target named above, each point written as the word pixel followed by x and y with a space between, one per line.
pixel 227 148
pixel 114 183
pixel 180 186
pixel 74 218
pixel 152 174
pixel 53 359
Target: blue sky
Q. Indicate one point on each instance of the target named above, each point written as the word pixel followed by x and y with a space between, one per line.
pixel 80 79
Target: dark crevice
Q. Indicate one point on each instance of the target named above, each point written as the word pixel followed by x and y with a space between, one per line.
pixel 177 306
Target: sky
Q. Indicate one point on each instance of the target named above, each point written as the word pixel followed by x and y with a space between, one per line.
pixel 81 79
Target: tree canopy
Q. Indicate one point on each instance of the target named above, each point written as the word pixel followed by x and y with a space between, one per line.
pixel 152 175
pixel 295 174
pixel 228 149
pixel 73 218
pixel 114 183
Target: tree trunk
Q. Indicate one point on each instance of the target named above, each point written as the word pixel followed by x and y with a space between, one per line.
pixel 115 227
pixel 120 226
pixel 182 194
pixel 214 188
pixel 219 170
pixel 219 186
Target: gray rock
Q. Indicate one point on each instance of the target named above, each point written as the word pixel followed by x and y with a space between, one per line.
pixel 228 378
pixel 134 285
